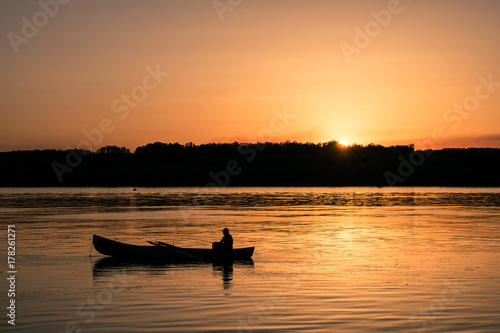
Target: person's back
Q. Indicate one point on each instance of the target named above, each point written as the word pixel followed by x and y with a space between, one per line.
pixel 226 243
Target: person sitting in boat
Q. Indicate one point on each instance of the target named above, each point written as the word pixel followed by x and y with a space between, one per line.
pixel 225 244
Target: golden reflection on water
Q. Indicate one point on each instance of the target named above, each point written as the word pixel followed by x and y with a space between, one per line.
pixel 316 268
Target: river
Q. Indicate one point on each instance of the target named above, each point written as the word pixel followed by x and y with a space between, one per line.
pixel 326 260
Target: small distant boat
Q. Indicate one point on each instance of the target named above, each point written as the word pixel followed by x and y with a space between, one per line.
pixel 167 252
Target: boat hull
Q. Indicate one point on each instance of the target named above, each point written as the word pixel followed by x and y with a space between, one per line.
pixel 168 252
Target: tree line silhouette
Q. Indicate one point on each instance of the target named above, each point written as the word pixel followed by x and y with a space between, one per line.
pixel 245 164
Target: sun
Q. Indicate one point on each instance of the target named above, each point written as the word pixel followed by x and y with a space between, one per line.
pixel 343 143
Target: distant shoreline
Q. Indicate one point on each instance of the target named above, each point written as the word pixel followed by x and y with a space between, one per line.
pixel 287 164
pixel 249 186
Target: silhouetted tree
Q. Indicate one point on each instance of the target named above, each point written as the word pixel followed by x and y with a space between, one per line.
pixel 113 150
pixel 247 164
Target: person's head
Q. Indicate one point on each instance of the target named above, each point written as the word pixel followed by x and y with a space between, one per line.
pixel 225 231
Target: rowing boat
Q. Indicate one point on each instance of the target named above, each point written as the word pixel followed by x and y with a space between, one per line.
pixel 163 251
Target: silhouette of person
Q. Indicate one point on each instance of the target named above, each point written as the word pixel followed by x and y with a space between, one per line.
pixel 226 243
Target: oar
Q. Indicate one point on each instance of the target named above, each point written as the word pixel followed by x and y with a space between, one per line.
pixel 198 239
pixel 161 244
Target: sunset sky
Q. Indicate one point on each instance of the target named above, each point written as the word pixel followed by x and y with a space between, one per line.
pixel 384 72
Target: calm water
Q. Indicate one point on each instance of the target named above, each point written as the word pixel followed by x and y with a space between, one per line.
pixel 326 260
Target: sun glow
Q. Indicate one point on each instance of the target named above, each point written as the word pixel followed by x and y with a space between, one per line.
pixel 343 143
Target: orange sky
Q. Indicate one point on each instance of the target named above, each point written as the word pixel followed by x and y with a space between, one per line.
pixel 279 70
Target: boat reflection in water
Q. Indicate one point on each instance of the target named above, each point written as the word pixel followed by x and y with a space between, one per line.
pixel 226 271
pixel 108 267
